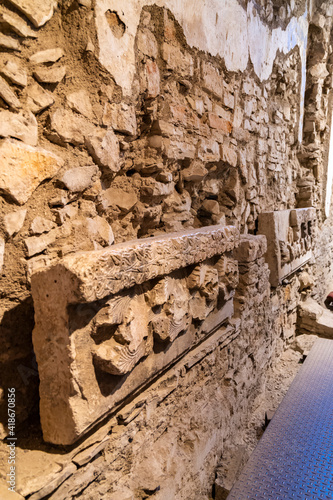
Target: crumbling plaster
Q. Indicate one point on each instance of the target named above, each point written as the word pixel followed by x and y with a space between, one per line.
pixel 230 32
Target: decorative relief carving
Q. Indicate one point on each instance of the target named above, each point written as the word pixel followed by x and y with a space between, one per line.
pixel 289 235
pixel 113 319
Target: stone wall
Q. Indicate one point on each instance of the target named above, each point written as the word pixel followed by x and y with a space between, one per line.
pixel 126 120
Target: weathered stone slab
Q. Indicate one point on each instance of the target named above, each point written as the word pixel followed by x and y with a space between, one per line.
pixel 21 126
pixel 13 70
pixel 112 319
pixel 7 42
pixel 289 240
pixel 7 94
pixel 46 56
pixel 23 168
pixel 38 11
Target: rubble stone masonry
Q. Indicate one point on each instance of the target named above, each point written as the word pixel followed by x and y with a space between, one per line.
pixel 126 120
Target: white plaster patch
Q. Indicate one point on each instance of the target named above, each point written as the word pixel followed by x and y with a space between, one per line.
pixel 228 31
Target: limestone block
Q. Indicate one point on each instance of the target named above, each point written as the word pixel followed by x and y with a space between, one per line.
pixel 14 221
pixel 7 94
pixel 208 150
pixel 229 155
pixel 38 11
pixel 38 98
pixel 196 172
pixel 13 70
pixel 104 149
pixel 68 127
pixel 80 102
pixel 251 248
pixel 80 178
pixel 7 42
pixel 147 43
pixel 41 225
pixel 124 200
pixel 37 244
pixel 177 60
pixel 111 329
pixel 23 168
pixel 212 80
pixel 17 24
pixel 46 56
pixel 50 75
pixel 121 117
pixel 218 123
pixel 153 79
pixel 290 238
pixel 21 126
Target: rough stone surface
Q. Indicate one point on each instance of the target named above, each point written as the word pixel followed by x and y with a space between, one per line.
pixel 130 312
pixel 21 126
pixel 41 225
pixel 13 70
pixel 121 117
pixel 38 11
pixel 104 149
pixel 80 178
pixel 80 102
pixel 17 24
pixel 8 95
pixel 46 56
pixel 24 168
pixel 38 98
pixel 50 75
pixel 14 221
pixel 194 118
pixel 9 43
pixel 68 127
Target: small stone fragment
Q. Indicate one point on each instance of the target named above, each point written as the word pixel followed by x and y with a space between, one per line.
pixel 38 98
pixel 68 127
pixel 50 75
pixel 41 225
pixel 12 69
pixel 2 253
pixel 90 46
pixel 121 117
pixel 23 168
pixel 211 207
pixel 99 229
pixel 22 126
pixel 37 244
pixel 46 56
pixel 9 43
pixel 118 197
pixel 104 149
pixel 8 95
pixel 195 172
pixel 147 43
pixel 14 221
pixel 80 102
pixel 17 24
pixel 38 11
pixel 80 178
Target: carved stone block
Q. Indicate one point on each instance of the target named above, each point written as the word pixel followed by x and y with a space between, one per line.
pixel 109 321
pixel 289 240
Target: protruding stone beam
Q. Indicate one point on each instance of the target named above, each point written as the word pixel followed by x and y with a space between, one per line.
pixel 109 321
pixel 289 236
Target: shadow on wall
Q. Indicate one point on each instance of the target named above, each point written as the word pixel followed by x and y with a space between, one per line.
pixel 19 367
